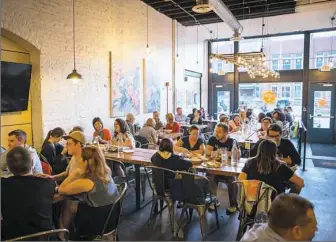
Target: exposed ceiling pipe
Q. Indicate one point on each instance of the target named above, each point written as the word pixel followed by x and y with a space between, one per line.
pixel 227 16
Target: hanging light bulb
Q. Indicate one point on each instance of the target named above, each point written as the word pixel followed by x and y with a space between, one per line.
pixel 331 63
pixel 211 60
pixel 177 58
pixel 211 70
pixel 147 50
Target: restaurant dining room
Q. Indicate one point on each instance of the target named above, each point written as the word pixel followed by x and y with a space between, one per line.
pixel 161 120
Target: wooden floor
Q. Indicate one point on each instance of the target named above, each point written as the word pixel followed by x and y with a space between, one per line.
pixel 320 189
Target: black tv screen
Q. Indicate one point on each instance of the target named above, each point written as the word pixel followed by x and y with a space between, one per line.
pixel 15 83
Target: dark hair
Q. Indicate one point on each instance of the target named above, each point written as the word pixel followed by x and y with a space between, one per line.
pixel 224 127
pixel 281 115
pixel 193 127
pixel 95 120
pixel 267 118
pixel 123 126
pixel 194 110
pixel 288 210
pixel 178 108
pixel 77 128
pixel 249 112
pixel 275 127
pixel 19 134
pixel 261 116
pixel 56 132
pixel 269 114
pixel 19 161
pixel 166 145
pixel 266 157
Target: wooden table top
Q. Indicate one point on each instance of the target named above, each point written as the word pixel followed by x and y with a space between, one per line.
pixel 143 157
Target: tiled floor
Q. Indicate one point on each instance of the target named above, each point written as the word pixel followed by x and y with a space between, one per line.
pixel 319 188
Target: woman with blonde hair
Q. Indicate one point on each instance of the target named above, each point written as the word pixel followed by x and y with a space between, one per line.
pixel 93 185
pixel 148 131
pixel 171 124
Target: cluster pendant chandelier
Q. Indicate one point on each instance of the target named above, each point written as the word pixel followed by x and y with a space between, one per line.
pixel 253 62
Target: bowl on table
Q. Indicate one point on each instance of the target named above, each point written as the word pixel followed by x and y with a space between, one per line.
pixel 168 131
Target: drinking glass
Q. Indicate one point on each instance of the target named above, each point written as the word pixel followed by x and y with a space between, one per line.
pixel 213 155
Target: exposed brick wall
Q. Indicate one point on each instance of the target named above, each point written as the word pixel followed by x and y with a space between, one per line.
pixel 101 26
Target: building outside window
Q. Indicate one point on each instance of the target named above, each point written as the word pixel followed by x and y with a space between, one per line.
pixel 275 62
pixel 285 92
pixel 298 61
pixel 286 62
pixel 298 91
pixel 275 90
pixel 319 60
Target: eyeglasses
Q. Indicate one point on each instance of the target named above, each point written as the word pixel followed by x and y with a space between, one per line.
pixel 274 136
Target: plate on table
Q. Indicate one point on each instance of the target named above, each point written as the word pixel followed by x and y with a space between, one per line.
pixel 196 160
pixel 211 164
pixel 168 131
pixel 128 150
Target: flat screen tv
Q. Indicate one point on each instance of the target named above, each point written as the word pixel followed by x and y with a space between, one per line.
pixel 15 83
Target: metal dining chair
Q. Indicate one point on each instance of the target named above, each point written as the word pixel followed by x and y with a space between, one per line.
pixel 45 235
pixel 161 192
pixel 196 196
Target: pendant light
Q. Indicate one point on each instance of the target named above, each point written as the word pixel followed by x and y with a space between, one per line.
pixel 147 46
pixel 74 75
pixel 197 45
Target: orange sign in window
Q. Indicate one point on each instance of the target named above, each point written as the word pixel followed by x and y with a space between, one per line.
pixel 322 103
pixel 269 97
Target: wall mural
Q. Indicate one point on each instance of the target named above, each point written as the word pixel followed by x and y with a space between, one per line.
pixel 152 87
pixel 125 89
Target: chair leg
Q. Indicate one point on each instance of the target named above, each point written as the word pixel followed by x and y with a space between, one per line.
pixel 171 210
pixel 201 212
pixel 152 210
pixel 216 214
pixel 180 222
pixel 143 186
pixel 191 210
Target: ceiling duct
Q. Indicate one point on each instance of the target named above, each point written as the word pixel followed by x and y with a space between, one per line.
pixel 202 6
pixel 227 16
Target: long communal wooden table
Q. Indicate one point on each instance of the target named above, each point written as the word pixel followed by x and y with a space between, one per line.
pixel 142 157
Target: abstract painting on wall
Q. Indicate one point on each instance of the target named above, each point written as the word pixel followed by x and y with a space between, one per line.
pixel 125 89
pixel 151 87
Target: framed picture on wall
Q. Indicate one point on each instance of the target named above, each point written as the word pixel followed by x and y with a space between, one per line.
pixel 125 87
pixel 151 86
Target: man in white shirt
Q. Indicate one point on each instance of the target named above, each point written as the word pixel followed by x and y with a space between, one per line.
pixel 18 138
pixel 179 116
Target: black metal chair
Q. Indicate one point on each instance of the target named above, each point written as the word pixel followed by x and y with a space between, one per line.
pixel 196 195
pixel 109 230
pixel 253 204
pixel 117 179
pixel 160 177
pixel 43 236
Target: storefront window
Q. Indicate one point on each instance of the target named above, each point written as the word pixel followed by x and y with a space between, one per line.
pixel 322 49
pixel 222 47
pixel 251 96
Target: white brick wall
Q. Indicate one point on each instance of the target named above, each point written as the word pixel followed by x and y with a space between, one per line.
pixel 101 26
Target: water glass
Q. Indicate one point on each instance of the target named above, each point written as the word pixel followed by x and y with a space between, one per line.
pixel 224 156
pixel 213 155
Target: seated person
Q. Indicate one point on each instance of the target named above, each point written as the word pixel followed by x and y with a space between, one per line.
pixel 171 124
pixel 191 116
pixel 202 112
pixel 54 152
pixel 243 115
pixel 265 124
pixel 102 135
pixel 26 200
pixel 235 124
pixel 192 143
pixel 286 150
pixel 149 132
pixel 166 158
pixel 261 116
pixel 288 116
pixel 267 168
pixel 222 140
pixel 291 218
pixel 196 118
pixel 279 118
pixel 179 116
pixel 77 128
pixel 224 119
pixel 122 135
pixel 130 120
pixel 92 183
pixel 158 123
pixel 18 138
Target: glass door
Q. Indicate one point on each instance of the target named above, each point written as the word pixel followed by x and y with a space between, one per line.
pixel 321 119
pixel 223 100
